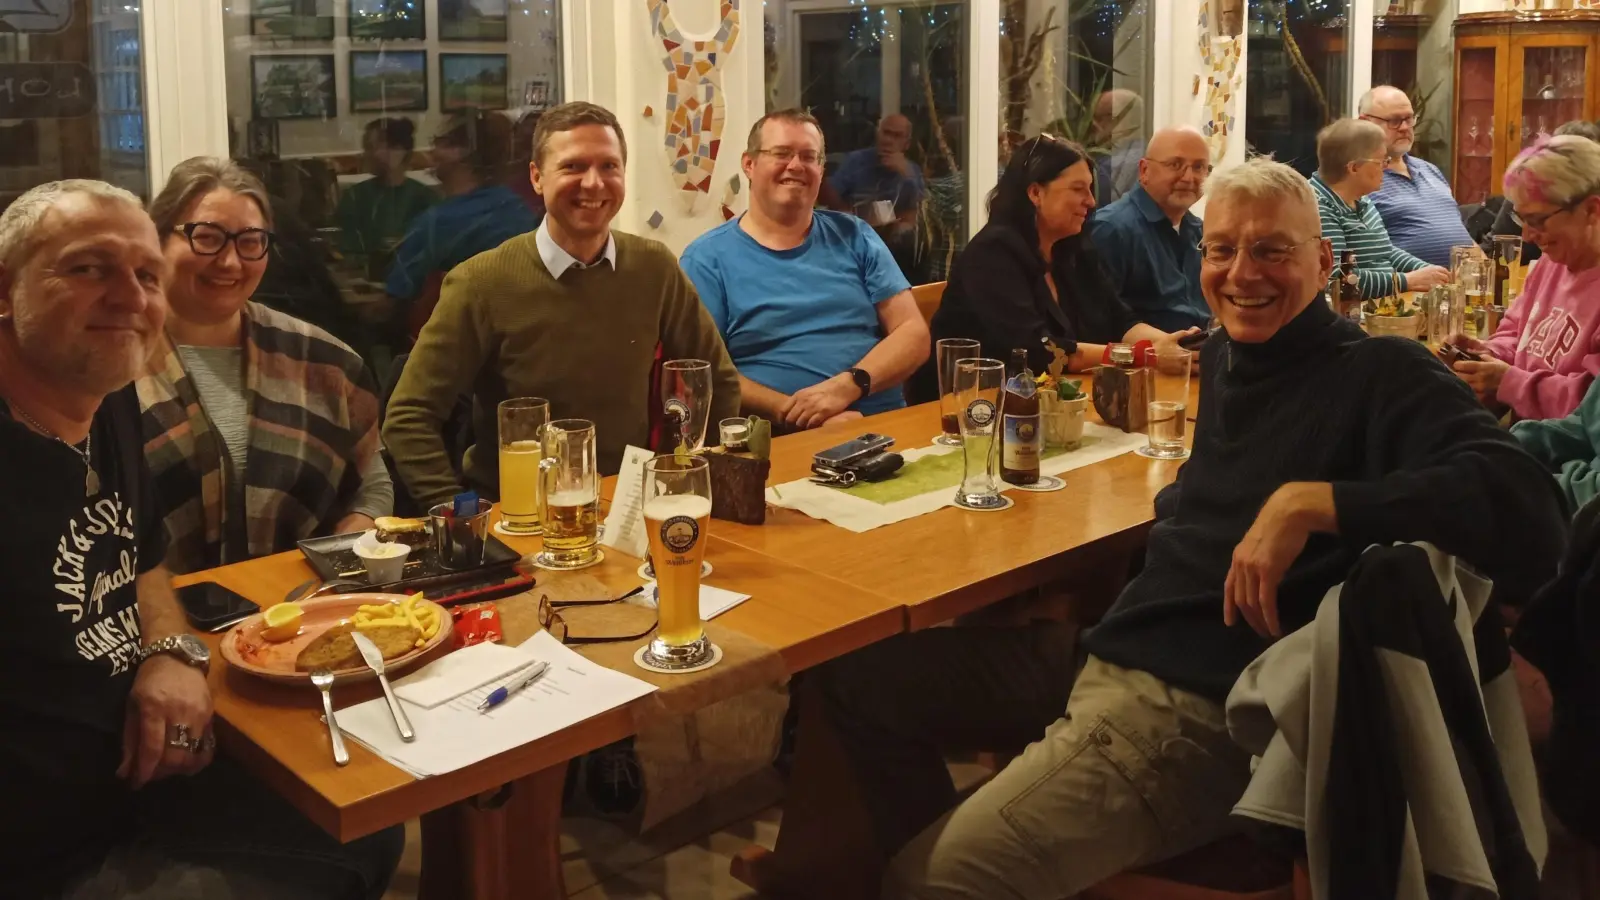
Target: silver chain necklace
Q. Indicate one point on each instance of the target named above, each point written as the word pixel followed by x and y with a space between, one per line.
pixel 91 478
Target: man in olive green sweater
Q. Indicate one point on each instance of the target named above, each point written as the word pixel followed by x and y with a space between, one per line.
pixel 573 312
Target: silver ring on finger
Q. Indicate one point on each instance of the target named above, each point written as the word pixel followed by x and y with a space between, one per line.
pixel 178 736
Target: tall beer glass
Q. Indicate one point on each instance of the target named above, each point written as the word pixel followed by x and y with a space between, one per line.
pixel 686 389
pixel 947 352
pixel 521 420
pixel 979 383
pixel 569 507
pixel 677 513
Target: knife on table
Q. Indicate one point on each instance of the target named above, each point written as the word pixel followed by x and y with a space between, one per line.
pixel 374 658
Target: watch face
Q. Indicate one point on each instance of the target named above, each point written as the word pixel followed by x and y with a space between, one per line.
pixel 193 648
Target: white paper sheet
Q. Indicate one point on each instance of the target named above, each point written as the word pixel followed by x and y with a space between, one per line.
pixel 455 734
pixel 714 601
pixel 459 672
pixel 624 529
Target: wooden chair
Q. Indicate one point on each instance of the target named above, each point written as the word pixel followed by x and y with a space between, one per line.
pixel 928 297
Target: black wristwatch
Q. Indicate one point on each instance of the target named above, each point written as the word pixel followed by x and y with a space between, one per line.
pixel 863 380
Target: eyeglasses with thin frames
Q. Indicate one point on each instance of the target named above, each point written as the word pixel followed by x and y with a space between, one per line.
pixel 1393 122
pixel 209 239
pixel 1265 252
pixel 786 155
pixel 550 619
pixel 1537 221
pixel 1177 166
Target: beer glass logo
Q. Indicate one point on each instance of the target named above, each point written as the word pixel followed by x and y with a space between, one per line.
pixel 980 413
pixel 679 533
pixel 674 405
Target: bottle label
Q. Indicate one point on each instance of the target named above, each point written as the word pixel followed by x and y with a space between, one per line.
pixel 1021 447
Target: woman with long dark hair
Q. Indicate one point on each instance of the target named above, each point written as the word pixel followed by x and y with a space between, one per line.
pixel 1031 278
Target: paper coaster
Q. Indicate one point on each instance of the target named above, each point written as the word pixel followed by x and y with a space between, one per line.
pixel 944 440
pixel 1044 485
pixel 538 562
pixel 1002 507
pixel 647 575
pixel 716 657
pixel 1147 454
pixel 499 528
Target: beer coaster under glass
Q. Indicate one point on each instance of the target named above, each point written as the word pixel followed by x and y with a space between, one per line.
pixel 638 660
pixel 648 575
pixel 500 528
pixel 1005 503
pixel 1044 485
pixel 947 440
pixel 541 561
pixel 1147 453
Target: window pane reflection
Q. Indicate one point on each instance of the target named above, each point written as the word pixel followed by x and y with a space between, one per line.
pixel 1412 50
pixel 1298 76
pixel 388 132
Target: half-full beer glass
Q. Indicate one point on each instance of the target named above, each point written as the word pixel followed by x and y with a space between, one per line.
pixel 947 352
pixel 979 383
pixel 677 515
pixel 686 390
pixel 521 420
pixel 569 502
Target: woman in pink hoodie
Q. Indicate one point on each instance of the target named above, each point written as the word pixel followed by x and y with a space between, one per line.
pixel 1547 349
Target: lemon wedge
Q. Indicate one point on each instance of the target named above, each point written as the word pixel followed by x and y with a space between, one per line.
pixel 281 622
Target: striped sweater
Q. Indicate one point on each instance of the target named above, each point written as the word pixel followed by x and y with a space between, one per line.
pixel 1360 228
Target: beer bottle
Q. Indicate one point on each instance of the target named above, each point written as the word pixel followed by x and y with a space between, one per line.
pixel 1022 438
pixel 1349 286
pixel 1502 272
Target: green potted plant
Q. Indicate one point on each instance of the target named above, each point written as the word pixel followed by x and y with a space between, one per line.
pixel 1063 406
pixel 1392 315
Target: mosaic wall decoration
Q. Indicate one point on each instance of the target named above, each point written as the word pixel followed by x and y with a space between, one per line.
pixel 695 111
pixel 1220 56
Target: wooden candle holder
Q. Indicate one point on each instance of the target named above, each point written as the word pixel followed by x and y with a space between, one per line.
pixel 739 487
pixel 1122 396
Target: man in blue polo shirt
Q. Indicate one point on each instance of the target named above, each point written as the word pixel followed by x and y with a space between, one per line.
pixel 1418 210
pixel 1149 241
pixel 813 309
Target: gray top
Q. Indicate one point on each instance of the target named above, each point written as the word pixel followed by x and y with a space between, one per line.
pixel 218 374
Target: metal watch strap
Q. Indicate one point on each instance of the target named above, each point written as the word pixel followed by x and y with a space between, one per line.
pixel 171 644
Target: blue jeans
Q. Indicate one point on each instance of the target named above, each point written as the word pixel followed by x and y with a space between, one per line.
pixel 222 835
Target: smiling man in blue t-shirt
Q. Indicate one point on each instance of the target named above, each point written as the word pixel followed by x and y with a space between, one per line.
pixel 815 313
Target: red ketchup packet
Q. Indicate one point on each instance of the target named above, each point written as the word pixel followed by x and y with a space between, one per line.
pixel 474 624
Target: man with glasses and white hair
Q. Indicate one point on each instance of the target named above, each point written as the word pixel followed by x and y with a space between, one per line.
pixel 106 757
pixel 1147 240
pixel 818 318
pixel 1305 454
pixel 1415 202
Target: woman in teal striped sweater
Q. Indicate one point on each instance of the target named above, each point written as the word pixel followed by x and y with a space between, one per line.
pixel 1350 164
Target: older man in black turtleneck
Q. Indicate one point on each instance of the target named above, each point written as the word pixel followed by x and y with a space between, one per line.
pixel 1313 442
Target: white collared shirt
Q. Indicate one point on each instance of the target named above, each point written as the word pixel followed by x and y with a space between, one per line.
pixel 558 261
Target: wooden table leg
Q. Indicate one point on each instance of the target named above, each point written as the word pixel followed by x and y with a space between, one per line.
pixel 825 847
pixel 501 845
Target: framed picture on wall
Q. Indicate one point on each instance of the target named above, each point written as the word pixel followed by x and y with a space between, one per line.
pixel 387 20
pixel 292 87
pixel 536 93
pixel 472 20
pixel 299 20
pixel 472 81
pixel 388 80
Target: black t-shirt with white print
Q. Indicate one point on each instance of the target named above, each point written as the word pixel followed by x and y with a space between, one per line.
pixel 69 637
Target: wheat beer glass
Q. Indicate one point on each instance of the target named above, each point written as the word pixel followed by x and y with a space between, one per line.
pixel 569 483
pixel 521 420
pixel 979 384
pixel 947 352
pixel 677 515
pixel 686 390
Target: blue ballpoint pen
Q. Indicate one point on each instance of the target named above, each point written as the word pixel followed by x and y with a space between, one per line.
pixel 501 694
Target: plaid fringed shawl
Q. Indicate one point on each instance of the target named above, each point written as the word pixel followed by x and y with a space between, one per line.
pixel 313 417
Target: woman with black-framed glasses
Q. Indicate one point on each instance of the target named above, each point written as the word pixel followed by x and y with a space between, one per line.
pixel 1546 352
pixel 1030 278
pixel 260 429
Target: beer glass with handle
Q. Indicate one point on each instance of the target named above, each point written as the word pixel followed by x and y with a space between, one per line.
pixel 521 421
pixel 677 516
pixel 686 389
pixel 947 352
pixel 569 496
pixel 979 383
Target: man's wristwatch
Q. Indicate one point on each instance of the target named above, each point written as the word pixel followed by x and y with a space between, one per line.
pixel 186 647
pixel 863 380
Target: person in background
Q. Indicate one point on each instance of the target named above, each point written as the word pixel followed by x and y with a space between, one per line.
pixel 801 295
pixel 1569 448
pixel 260 429
pixel 373 215
pixel 576 312
pixel 881 172
pixel 1350 165
pixel 107 759
pixel 517 174
pixel 1030 279
pixel 1128 758
pixel 1118 122
pixel 1546 352
pixel 1415 202
pixel 479 213
pixel 1148 239
pixel 1505 223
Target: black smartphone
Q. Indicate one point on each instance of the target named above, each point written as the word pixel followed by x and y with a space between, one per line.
pixel 1455 354
pixel 212 607
pixel 863 446
pixel 1193 341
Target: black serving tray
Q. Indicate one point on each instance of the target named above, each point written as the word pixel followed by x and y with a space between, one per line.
pixel 334 558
